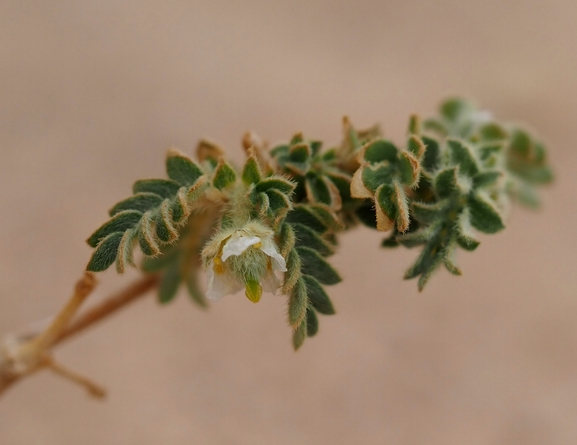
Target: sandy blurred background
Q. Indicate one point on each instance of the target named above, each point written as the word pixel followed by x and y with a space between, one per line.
pixel 93 92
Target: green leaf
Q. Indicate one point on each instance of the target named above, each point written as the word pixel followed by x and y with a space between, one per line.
pixel 380 150
pixel 309 238
pixel 293 273
pixel 169 284
pixel 165 231
pixel 312 323
pixel 373 177
pixel 162 187
pixel 387 199
pixel 492 132
pixel 278 201
pixel 156 264
pixel 251 173
pixel 146 238
pixel 275 182
pixel 300 152
pixel 314 264
pixel 453 109
pixel 304 215
pixel 106 253
pixel 194 290
pixel 298 302
pixel 462 155
pixel 179 207
pixel 486 178
pixel 224 176
pixel 182 169
pixel 286 238
pixel 409 169
pixel 299 335
pixel 328 217
pixel 317 296
pixel 119 223
pixel 432 158
pixel 140 202
pixel 416 146
pixel 426 212
pixel 126 249
pixel 446 182
pixel 484 216
pixel 317 190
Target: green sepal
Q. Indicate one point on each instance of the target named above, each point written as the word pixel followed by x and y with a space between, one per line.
pixel 119 223
pixel 380 150
pixel 182 169
pixel 276 182
pixel 483 214
pixel 162 187
pixel 462 155
pixel 309 238
pixel 105 253
pixel 169 283
pixel 445 182
pixel 298 302
pixel 251 173
pixel 317 296
pixel 312 323
pixel 315 265
pixel 140 202
pixel 224 176
pixel 299 335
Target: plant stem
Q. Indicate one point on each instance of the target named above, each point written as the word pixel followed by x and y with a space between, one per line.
pixel 36 352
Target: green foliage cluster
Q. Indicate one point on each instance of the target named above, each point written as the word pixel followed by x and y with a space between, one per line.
pixel 454 177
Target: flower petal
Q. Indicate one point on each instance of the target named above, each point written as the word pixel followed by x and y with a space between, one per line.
pixel 237 244
pixel 278 262
pixel 270 282
pixel 220 284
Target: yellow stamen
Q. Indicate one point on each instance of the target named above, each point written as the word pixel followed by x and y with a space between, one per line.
pixel 218 265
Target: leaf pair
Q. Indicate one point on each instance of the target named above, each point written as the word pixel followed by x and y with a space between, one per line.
pixel 151 217
pixel 307 238
pixel 384 175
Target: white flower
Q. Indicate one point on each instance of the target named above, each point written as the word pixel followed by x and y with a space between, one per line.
pixel 246 257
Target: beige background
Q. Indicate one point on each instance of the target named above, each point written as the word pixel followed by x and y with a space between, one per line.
pixel 92 93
